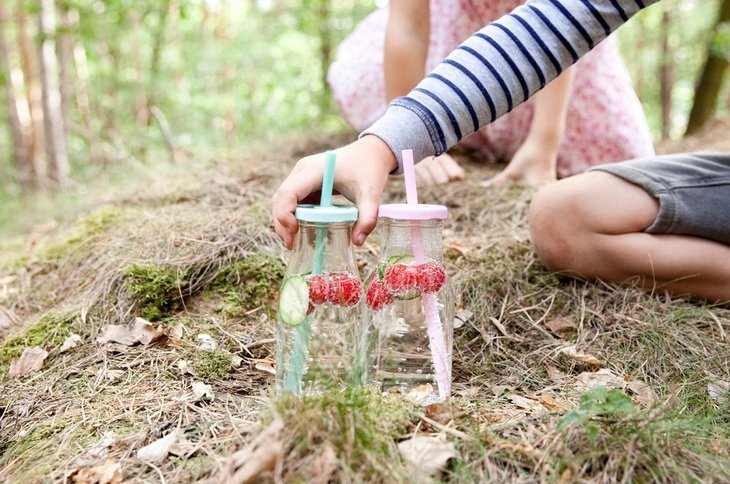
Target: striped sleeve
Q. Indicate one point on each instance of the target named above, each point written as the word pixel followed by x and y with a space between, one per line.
pixel 496 69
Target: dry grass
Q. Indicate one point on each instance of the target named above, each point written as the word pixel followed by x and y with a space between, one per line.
pixel 197 256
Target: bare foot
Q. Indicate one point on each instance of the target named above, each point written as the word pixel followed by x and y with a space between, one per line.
pixel 531 164
pixel 442 169
pixel 533 177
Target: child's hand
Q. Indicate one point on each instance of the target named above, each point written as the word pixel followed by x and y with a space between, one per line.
pixel 360 175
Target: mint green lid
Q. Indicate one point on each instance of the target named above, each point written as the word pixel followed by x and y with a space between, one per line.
pixel 331 214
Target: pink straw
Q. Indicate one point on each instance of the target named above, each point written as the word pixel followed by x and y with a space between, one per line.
pixel 430 307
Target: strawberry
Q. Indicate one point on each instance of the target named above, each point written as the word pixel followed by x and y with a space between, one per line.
pixel 400 278
pixel 344 289
pixel 310 308
pixel 378 295
pixel 317 289
pixel 430 277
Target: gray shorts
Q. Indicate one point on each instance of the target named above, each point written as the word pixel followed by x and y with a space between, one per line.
pixel 693 190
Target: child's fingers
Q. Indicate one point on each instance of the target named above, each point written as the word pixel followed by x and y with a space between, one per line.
pixel 367 218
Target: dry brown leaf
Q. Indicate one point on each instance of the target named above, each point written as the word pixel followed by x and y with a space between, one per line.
pixel 184 368
pixel 236 361
pixel 526 403
pixel 719 391
pixel 31 360
pixel 555 375
pixel 562 326
pixel 549 402
pixel 101 449
pixel 71 342
pixel 421 394
pixel 202 391
pixel 427 455
pixel 645 396
pixel 575 355
pixel 601 378
pixel 158 450
pixel 266 368
pixel 177 331
pixel 259 457
pixel 440 412
pixel 324 466
pixel 141 331
pixel 110 472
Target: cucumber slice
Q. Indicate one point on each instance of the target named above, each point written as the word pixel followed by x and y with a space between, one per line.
pixel 400 259
pixel 294 300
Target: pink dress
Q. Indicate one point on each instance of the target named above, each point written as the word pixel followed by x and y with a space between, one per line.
pixel 605 122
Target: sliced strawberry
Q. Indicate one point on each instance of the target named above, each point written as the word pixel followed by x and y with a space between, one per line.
pixel 344 289
pixel 317 289
pixel 378 295
pixel 430 277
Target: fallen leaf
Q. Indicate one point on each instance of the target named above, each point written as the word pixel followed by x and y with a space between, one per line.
pixel 719 391
pixel 549 402
pixel 141 331
pixel 266 368
pixel 257 458
pixel 526 403
pixel 645 396
pixel 440 412
pixel 71 342
pixel 201 390
pixel 110 472
pixel 206 342
pixel 158 449
pixel 555 375
pixel 177 331
pixel 601 378
pixel 421 394
pixel 575 355
pixel 31 360
pixel 562 326
pixel 324 466
pixel 101 449
pixel 427 455
pixel 236 361
pixel 184 368
pixel 462 317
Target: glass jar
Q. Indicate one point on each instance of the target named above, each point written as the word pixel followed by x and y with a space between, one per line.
pixel 410 304
pixel 320 336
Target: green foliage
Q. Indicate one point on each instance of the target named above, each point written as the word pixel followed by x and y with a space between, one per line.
pixel 598 402
pixel 156 288
pixel 251 282
pixel 48 331
pixel 212 365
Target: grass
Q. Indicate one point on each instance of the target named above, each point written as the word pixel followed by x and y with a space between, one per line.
pixel 199 258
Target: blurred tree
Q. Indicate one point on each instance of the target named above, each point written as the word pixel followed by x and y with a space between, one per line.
pixel 55 134
pixel 710 81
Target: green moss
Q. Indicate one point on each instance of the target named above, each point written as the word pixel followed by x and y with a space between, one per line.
pixel 95 223
pixel 213 365
pixel 251 282
pixel 50 330
pixel 156 288
pixel 38 436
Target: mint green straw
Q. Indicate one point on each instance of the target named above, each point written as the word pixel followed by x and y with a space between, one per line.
pixel 293 380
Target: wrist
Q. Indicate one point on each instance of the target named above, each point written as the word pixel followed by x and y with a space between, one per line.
pixel 379 152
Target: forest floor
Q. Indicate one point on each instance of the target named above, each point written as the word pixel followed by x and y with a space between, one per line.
pixel 554 379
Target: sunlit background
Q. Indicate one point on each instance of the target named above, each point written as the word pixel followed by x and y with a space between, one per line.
pixel 150 82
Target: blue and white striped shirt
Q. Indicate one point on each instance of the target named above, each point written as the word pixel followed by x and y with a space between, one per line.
pixel 496 69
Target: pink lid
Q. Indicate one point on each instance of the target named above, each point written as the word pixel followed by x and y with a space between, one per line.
pixel 421 211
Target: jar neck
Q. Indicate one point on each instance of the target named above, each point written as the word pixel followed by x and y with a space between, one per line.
pixel 324 247
pixel 331 233
pixel 413 237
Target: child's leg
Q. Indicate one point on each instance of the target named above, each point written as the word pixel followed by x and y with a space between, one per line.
pixel 591 226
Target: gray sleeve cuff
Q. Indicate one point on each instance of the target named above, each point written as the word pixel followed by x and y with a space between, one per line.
pixel 402 129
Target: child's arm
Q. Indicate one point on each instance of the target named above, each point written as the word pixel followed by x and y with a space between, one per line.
pixel 490 73
pixel 406 46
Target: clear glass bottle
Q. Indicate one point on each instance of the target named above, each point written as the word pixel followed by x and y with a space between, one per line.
pixel 320 336
pixel 410 304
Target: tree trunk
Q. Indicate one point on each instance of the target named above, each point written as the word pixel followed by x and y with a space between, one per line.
pixel 56 154
pixel 20 145
pixel 155 59
pixel 666 80
pixel 325 50
pixel 65 55
pixel 710 83
pixel 33 128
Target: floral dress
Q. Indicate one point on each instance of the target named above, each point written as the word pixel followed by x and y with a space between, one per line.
pixel 605 122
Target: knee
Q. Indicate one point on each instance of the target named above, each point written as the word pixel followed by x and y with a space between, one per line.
pixel 556 229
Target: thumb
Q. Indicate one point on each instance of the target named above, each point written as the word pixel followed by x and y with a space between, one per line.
pixel 367 218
